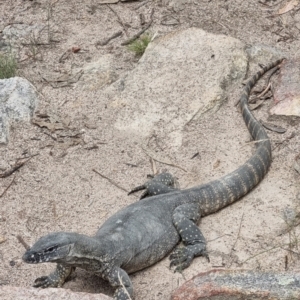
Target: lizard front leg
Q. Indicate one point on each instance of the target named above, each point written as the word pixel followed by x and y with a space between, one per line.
pixel 55 279
pixel 118 278
pixel 160 184
pixel 185 218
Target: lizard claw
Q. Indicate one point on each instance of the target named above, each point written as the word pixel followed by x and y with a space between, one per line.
pixel 140 188
pixel 44 282
pixel 205 254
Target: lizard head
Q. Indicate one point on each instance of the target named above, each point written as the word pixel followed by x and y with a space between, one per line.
pixel 50 248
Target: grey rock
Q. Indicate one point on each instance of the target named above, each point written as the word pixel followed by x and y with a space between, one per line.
pixel 4 45
pixel 290 215
pixel 3 129
pixel 16 31
pixel 12 293
pixel 287 90
pixel 151 96
pixel 12 35
pixel 240 285
pixel 18 100
pixel 108 1
pixel 98 74
pixel 260 54
pixel 169 21
pixel 176 5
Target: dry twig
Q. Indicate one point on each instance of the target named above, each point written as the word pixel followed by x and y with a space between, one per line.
pixel 259 253
pixel 195 155
pixel 292 135
pixel 142 19
pixel 10 171
pixel 265 90
pixel 140 32
pixel 5 190
pixel 236 240
pixel 64 56
pixel 261 94
pixel 21 241
pixel 120 20
pixel 254 142
pixel 273 127
pixel 106 41
pixel 14 168
pixel 169 163
pixel 153 165
pixel 111 181
pixel 142 4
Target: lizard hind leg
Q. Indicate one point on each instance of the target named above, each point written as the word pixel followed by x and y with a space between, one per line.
pixel 160 184
pixel 185 218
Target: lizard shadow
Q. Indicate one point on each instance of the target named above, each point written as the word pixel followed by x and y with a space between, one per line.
pixel 82 280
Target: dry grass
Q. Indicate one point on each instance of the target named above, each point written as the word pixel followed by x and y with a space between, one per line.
pixel 8 66
pixel 139 46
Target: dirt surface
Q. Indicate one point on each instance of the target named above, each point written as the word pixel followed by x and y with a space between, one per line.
pixel 57 189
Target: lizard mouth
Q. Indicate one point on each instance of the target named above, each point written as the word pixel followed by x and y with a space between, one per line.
pixel 31 257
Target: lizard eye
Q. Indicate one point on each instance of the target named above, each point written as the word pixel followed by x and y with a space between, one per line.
pixel 51 249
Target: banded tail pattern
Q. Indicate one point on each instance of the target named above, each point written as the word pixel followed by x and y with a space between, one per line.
pixel 226 190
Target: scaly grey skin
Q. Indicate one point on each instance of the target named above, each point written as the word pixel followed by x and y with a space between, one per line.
pixel 144 232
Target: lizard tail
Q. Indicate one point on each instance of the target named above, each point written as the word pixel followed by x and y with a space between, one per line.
pixel 228 189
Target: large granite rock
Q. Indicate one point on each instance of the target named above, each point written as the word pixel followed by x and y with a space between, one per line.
pixel 12 293
pixel 18 100
pixel 240 285
pixel 287 89
pixel 205 64
pixel 97 74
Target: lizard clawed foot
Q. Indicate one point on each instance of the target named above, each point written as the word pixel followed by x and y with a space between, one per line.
pixel 55 279
pixel 160 184
pixel 44 282
pixel 140 188
pixel 181 257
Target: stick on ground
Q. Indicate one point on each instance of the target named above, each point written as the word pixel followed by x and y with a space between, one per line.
pixel 106 41
pixel 16 167
pixel 21 241
pixel 140 32
pixel 6 189
pixel 110 180
pixel 119 19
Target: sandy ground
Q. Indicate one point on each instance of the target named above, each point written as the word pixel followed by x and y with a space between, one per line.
pixel 57 189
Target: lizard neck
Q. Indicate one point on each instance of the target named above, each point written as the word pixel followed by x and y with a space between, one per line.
pixel 82 246
pixel 87 253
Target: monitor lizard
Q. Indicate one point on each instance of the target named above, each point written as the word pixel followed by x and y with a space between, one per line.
pixel 146 231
